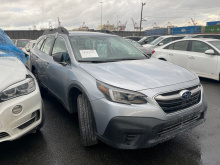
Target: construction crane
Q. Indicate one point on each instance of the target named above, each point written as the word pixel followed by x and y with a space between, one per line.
pixel 59 24
pixel 136 27
pixel 155 26
pixel 121 27
pixel 194 23
pixel 189 24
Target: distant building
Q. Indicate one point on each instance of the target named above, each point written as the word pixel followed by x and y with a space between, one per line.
pixel 107 26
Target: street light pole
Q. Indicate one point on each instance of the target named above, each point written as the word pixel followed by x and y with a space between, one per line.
pixel 142 4
pixel 101 15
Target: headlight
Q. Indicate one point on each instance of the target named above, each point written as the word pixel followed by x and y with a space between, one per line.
pixel 22 88
pixel 120 95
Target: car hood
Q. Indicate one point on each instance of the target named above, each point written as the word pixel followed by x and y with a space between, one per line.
pixel 138 74
pixel 12 70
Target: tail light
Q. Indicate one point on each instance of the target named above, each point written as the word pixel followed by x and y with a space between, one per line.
pixel 153 51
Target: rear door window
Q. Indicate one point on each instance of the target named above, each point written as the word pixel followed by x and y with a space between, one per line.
pixel 182 45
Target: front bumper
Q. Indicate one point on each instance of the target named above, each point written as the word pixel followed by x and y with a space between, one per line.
pixel 14 126
pixel 144 132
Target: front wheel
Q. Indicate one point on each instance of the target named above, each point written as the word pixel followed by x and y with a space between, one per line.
pixel 86 121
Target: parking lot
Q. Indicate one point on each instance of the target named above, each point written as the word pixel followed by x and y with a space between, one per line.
pixel 59 141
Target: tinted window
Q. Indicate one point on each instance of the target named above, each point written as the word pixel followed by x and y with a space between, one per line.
pixel 47 45
pixel 201 47
pixel 165 41
pixel 200 36
pixel 169 46
pixel 182 45
pixel 60 47
pixel 177 38
pixel 40 43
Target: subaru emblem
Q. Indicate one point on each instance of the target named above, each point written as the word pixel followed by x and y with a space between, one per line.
pixel 185 94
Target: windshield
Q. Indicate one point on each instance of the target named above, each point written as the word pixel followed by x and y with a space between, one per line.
pixel 142 39
pixel 156 41
pixel 104 48
pixel 216 44
pixel 22 43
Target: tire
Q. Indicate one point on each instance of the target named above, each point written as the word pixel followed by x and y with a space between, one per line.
pixel 86 121
pixel 42 116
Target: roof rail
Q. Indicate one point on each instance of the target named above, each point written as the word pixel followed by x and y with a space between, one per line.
pixel 56 30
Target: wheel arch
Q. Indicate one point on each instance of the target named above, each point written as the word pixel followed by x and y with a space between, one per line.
pixel 74 90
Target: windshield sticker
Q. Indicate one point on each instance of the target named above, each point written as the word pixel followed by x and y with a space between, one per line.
pixel 88 53
pixel 102 50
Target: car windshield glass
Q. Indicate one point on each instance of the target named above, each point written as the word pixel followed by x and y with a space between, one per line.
pixel 142 39
pixel 22 43
pixel 156 41
pixel 104 48
pixel 216 44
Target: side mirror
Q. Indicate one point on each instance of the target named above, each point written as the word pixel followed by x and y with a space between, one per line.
pixel 210 52
pixel 58 57
pixel 27 49
pixel 161 44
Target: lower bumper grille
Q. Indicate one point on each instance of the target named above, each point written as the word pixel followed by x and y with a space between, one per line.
pixel 179 125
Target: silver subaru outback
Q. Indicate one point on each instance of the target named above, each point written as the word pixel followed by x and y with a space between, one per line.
pixel 122 97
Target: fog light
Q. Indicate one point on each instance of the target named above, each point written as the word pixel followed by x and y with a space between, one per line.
pixel 17 109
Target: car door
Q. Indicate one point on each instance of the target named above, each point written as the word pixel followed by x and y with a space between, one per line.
pixel 178 53
pixel 59 74
pixel 43 59
pixel 203 64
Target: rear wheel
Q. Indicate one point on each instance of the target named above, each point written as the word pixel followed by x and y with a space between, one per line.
pixel 86 121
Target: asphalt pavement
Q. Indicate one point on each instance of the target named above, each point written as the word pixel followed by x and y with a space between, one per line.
pixel 58 143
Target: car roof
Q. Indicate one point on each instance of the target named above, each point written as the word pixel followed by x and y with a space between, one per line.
pixel 201 39
pixel 86 33
pixel 167 36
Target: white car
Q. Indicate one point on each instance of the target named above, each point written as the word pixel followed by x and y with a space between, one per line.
pixel 160 41
pixel 201 56
pixel 21 106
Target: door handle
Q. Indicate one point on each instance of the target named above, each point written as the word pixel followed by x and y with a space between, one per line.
pixel 191 57
pixel 170 54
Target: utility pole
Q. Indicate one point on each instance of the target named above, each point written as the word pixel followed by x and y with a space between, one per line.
pixel 142 4
pixel 101 15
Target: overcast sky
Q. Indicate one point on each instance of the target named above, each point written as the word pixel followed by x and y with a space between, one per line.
pixel 24 14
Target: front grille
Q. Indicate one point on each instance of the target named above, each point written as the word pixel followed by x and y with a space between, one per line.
pixel 3 134
pixel 179 125
pixel 173 101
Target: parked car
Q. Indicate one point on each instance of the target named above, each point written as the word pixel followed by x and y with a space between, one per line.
pixel 13 40
pixel 21 106
pixel 137 45
pixel 160 41
pixel 20 43
pixel 122 97
pixel 26 50
pixel 135 38
pixel 147 39
pixel 200 55
pixel 214 36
